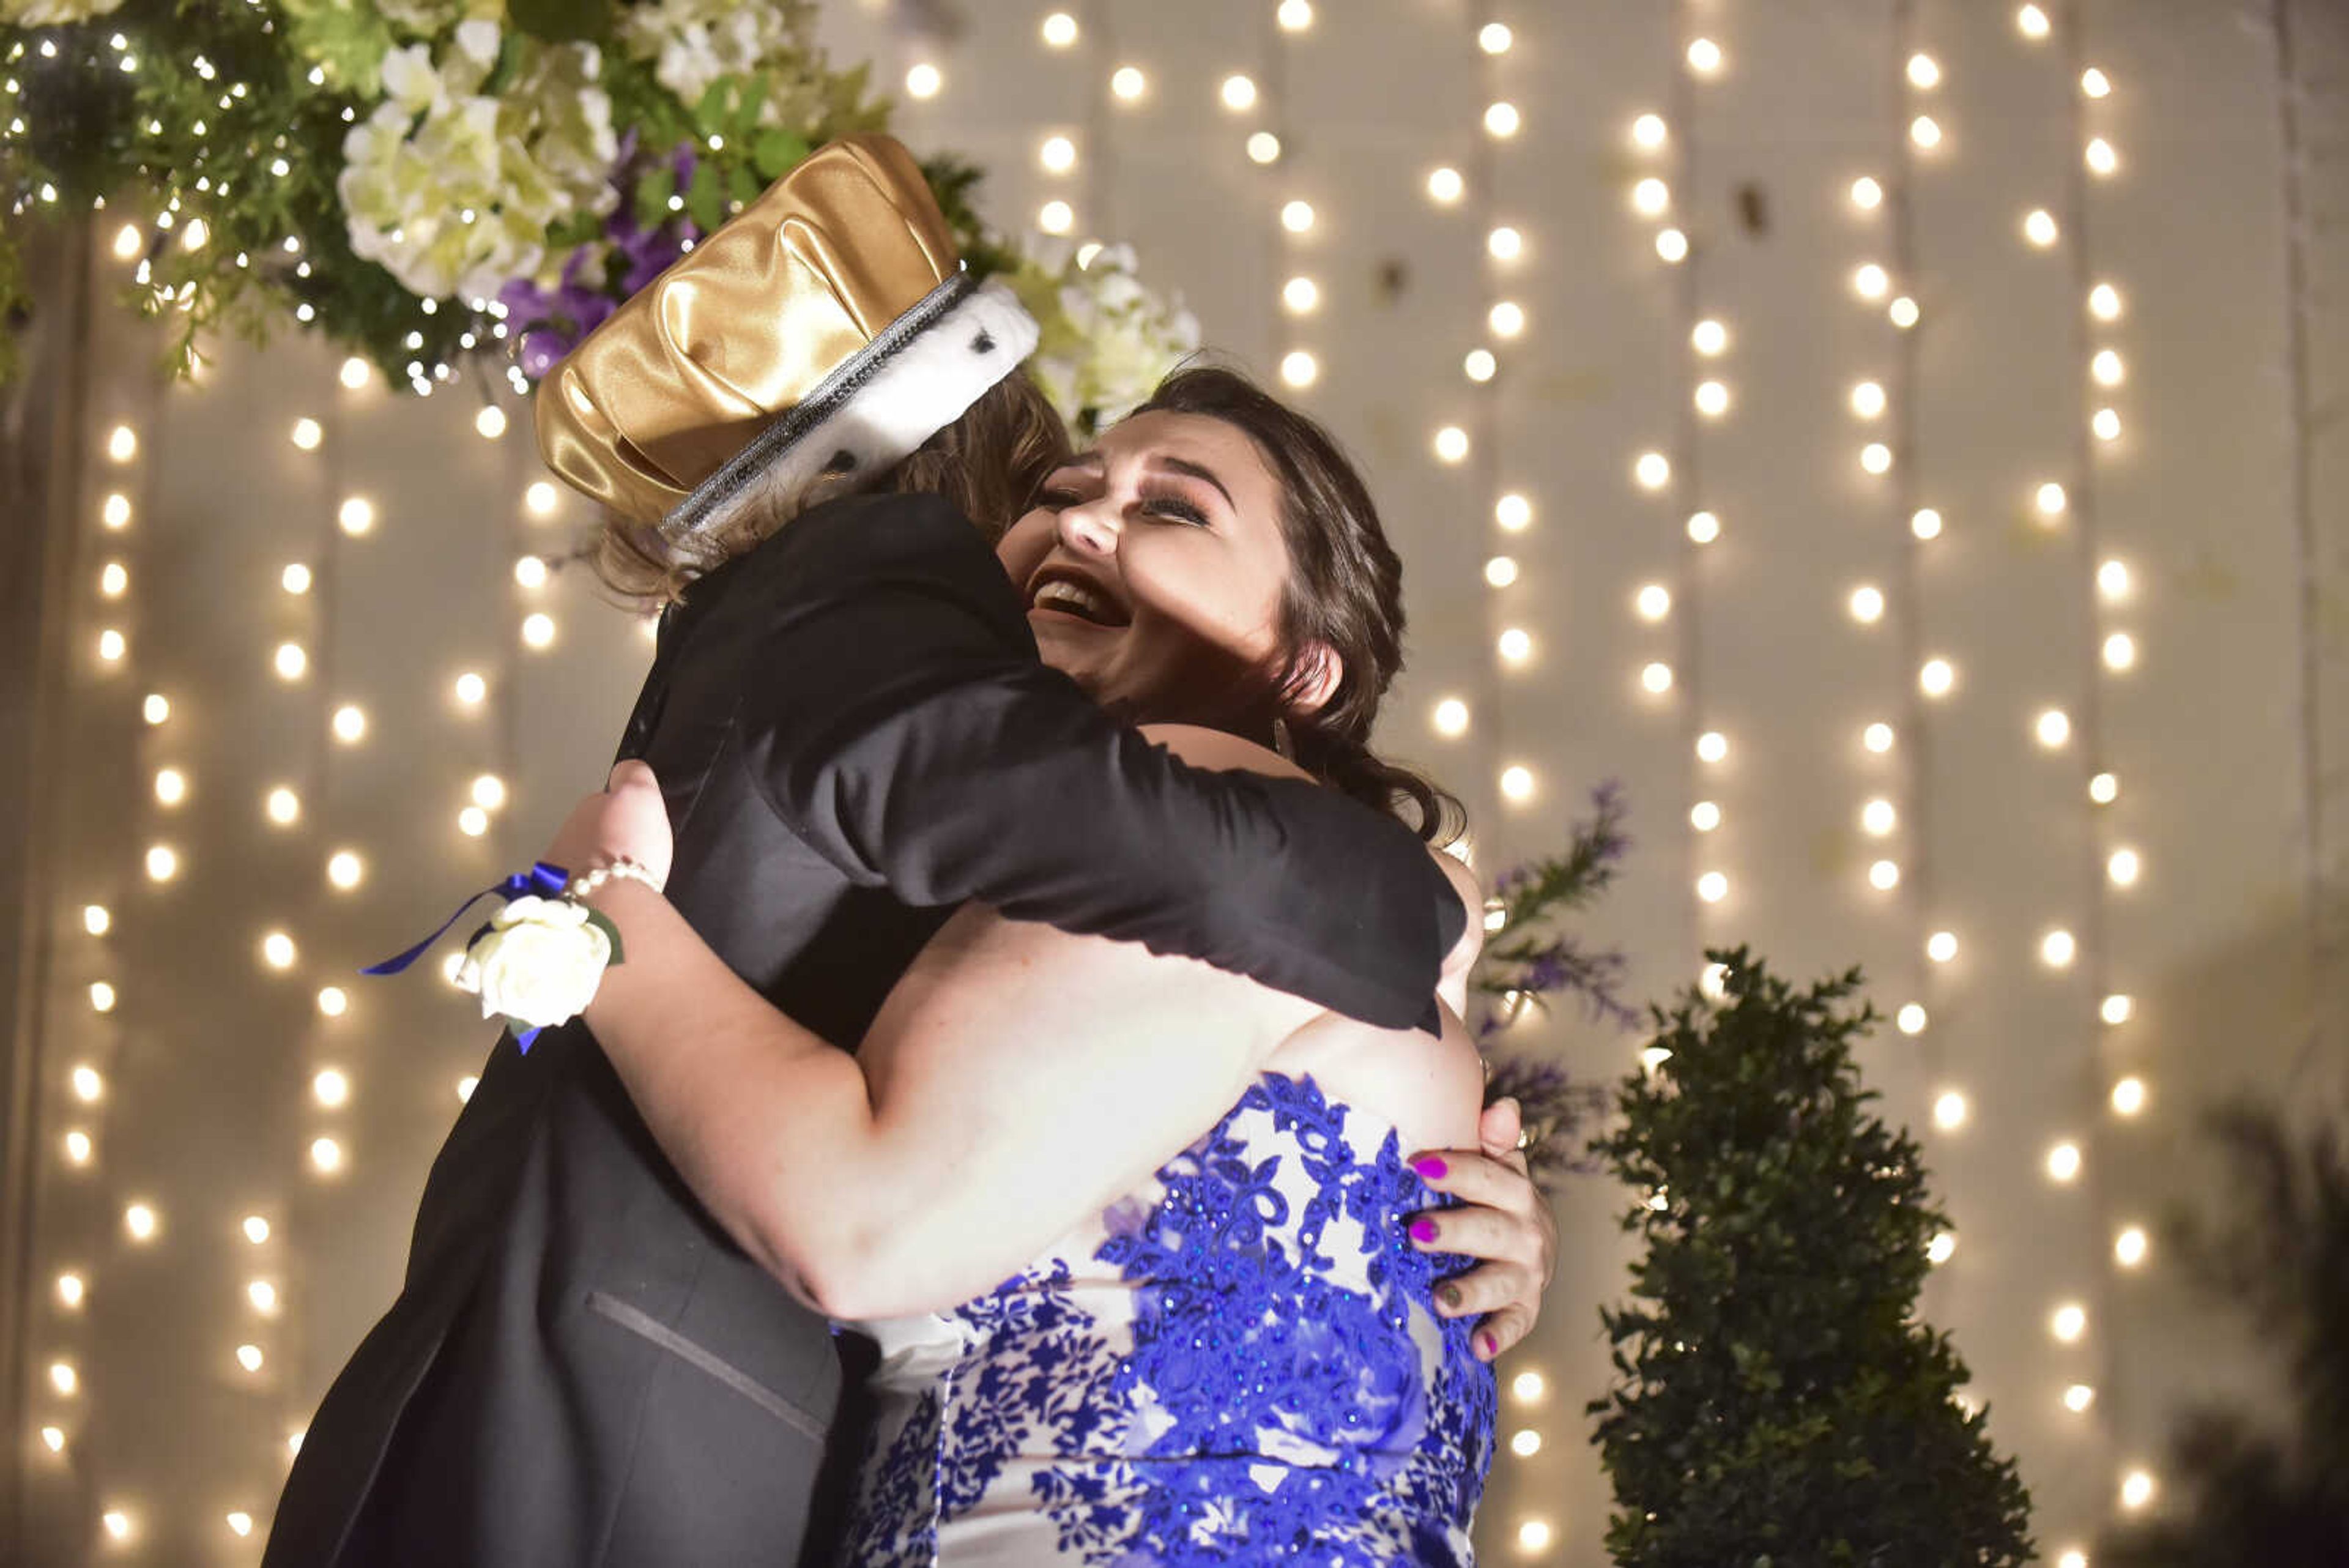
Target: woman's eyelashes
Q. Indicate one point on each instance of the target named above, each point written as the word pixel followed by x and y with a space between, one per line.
pixel 1166 504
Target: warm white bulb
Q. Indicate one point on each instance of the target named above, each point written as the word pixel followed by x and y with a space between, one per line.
pixel 171 787
pixel 2058 949
pixel 1524 1442
pixel 1300 295
pixel 1480 366
pixel 2104 789
pixel 141 1222
pixel 489 792
pixel 88 1086
pixel 96 919
pixel 1903 312
pixel 101 997
pixel 122 444
pixel 1295 15
pixel 331 1087
pixel 2107 424
pixel 1705 815
pixel 1867 400
pixel 1926 523
pixel 345 869
pixel 2123 868
pixel 472 822
pixel 1451 443
pixel 2050 500
pixel 541 498
pixel 333 1001
pixel 1936 678
pixel 1501 571
pixel 1514 513
pixel 1517 782
pixel 1059 155
pixel 308 434
pixel 2054 728
pixel 1704 56
pixel 1703 527
pixel 294 579
pixel 277 951
pixel 2128 1097
pixel 249 1358
pixel 162 863
pixel 1127 83
pixel 471 689
pixel 1516 645
pixel 2039 227
pixel 1657 678
pixel 2100 157
pixel 1451 717
pixel 1653 470
pixel 2032 21
pixel 1875 457
pixel 1709 338
pixel 1713 887
pixel 538 629
pixel 283 806
pixel 355 373
pixel 2117 1008
pixel 112 646
pixel 1506 318
pixel 1533 1536
pixel 1924 72
pixel 2129 1247
pixel 490 422
pixel 2069 1323
pixel 115 511
pixel 1056 217
pixel 1712 746
pixel 1884 876
pixel 1298 369
pixel 2120 651
pixel 350 724
pixel 1650 131
pixel 356 516
pixel 1925 132
pixel 1445 185
pixel 2104 302
pixel 1950 1111
pixel 1263 147
pixel 326 1155
pixel 2107 368
pixel 1060 30
pixel 1502 119
pixel 1505 243
pixel 114 579
pixel 1910 1019
pixel 1867 606
pixel 1297 217
pixel 1671 244
pixel 1654 602
pixel 1941 946
pixel 1651 196
pixel 1871 280
pixel 1711 399
pixel 1878 817
pixel 1238 92
pixel 1867 194
pixel 1495 39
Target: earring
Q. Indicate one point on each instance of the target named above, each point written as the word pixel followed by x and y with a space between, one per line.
pixel 1280 741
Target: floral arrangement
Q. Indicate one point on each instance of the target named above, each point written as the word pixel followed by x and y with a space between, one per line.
pixel 1526 963
pixel 437 182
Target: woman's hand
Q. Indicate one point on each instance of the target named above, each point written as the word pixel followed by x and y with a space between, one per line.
pixel 1502 1221
pixel 627 819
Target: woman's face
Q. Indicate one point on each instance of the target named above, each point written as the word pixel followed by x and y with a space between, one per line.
pixel 1153 565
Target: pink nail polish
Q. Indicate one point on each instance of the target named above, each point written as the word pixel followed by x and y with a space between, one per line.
pixel 1429 1165
pixel 1492 1347
pixel 1422 1230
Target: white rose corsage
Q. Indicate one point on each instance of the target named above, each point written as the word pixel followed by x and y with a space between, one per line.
pixel 540 959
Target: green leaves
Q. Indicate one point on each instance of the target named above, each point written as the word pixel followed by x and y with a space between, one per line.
pixel 775 152
pixel 602 922
pixel 1774 1394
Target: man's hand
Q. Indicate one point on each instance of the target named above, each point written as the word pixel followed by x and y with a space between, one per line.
pixel 1503 1220
pixel 627 820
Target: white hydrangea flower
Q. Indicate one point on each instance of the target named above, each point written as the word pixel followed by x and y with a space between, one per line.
pixel 1107 338
pixel 53 12
pixel 692 42
pixel 452 192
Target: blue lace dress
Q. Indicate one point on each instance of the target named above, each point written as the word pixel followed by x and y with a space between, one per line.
pixel 1240 1363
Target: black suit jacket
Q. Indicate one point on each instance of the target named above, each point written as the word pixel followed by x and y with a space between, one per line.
pixel 855 734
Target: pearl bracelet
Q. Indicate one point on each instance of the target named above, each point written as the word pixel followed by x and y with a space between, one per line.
pixel 577 890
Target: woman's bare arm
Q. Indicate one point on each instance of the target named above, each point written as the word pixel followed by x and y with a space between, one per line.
pixel 1022 1078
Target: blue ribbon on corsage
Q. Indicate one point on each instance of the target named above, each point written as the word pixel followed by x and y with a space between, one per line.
pixel 542 880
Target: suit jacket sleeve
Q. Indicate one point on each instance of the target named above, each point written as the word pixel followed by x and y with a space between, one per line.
pixel 901 722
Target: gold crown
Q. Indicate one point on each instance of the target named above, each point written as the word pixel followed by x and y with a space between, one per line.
pixel 669 408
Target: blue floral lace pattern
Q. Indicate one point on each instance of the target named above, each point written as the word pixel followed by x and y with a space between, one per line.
pixel 1240 1365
